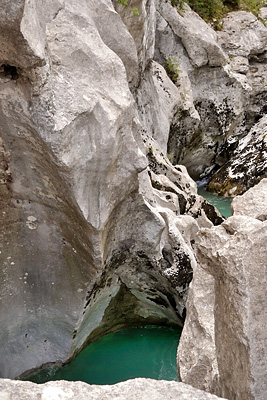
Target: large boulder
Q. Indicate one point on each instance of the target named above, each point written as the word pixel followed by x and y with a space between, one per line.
pixel 243 35
pixel 144 389
pixel 253 202
pixel 234 254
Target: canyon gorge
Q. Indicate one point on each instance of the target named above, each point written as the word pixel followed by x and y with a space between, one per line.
pixel 109 114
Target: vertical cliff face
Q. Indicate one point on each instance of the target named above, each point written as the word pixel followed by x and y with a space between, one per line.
pixel 228 313
pixel 47 256
pixel 93 214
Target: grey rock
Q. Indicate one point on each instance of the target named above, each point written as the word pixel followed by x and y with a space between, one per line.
pixel 247 166
pixel 234 254
pixel 253 202
pixel 44 243
pixel 142 29
pixel 199 40
pixel 263 14
pixel 98 91
pixel 165 107
pixel 125 236
pixel 220 96
pixel 240 64
pixel 158 101
pixel 196 356
pixel 226 305
pixel 243 34
pixel 116 36
pixel 22 34
pixel 144 389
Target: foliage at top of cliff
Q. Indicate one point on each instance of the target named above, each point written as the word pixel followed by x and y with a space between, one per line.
pixel 214 10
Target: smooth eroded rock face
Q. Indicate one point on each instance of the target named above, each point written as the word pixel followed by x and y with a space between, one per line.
pixel 46 246
pixel 145 389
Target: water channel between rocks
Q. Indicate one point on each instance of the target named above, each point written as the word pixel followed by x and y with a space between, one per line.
pixel 148 352
pixel 223 204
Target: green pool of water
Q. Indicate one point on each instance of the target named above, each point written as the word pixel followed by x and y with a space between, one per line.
pixel 148 352
pixel 223 204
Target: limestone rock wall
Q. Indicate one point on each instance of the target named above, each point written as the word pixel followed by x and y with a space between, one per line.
pixel 228 312
pixel 93 214
pixel 221 80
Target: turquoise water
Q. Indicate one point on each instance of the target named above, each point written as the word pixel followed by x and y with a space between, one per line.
pixel 148 352
pixel 223 204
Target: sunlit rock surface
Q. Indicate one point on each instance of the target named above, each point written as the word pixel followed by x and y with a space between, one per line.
pixel 253 202
pixel 145 389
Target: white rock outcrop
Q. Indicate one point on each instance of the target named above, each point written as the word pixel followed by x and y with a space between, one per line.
pixel 145 389
pixel 246 204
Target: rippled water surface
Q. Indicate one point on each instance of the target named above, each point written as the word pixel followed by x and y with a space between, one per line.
pixel 148 352
pixel 223 204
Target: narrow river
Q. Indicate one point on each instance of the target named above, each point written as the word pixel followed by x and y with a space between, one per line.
pixel 223 204
pixel 148 352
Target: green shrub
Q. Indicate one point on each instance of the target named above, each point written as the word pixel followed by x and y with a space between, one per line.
pixel 208 9
pixel 253 6
pixel 172 68
pixel 178 3
pixel 214 10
